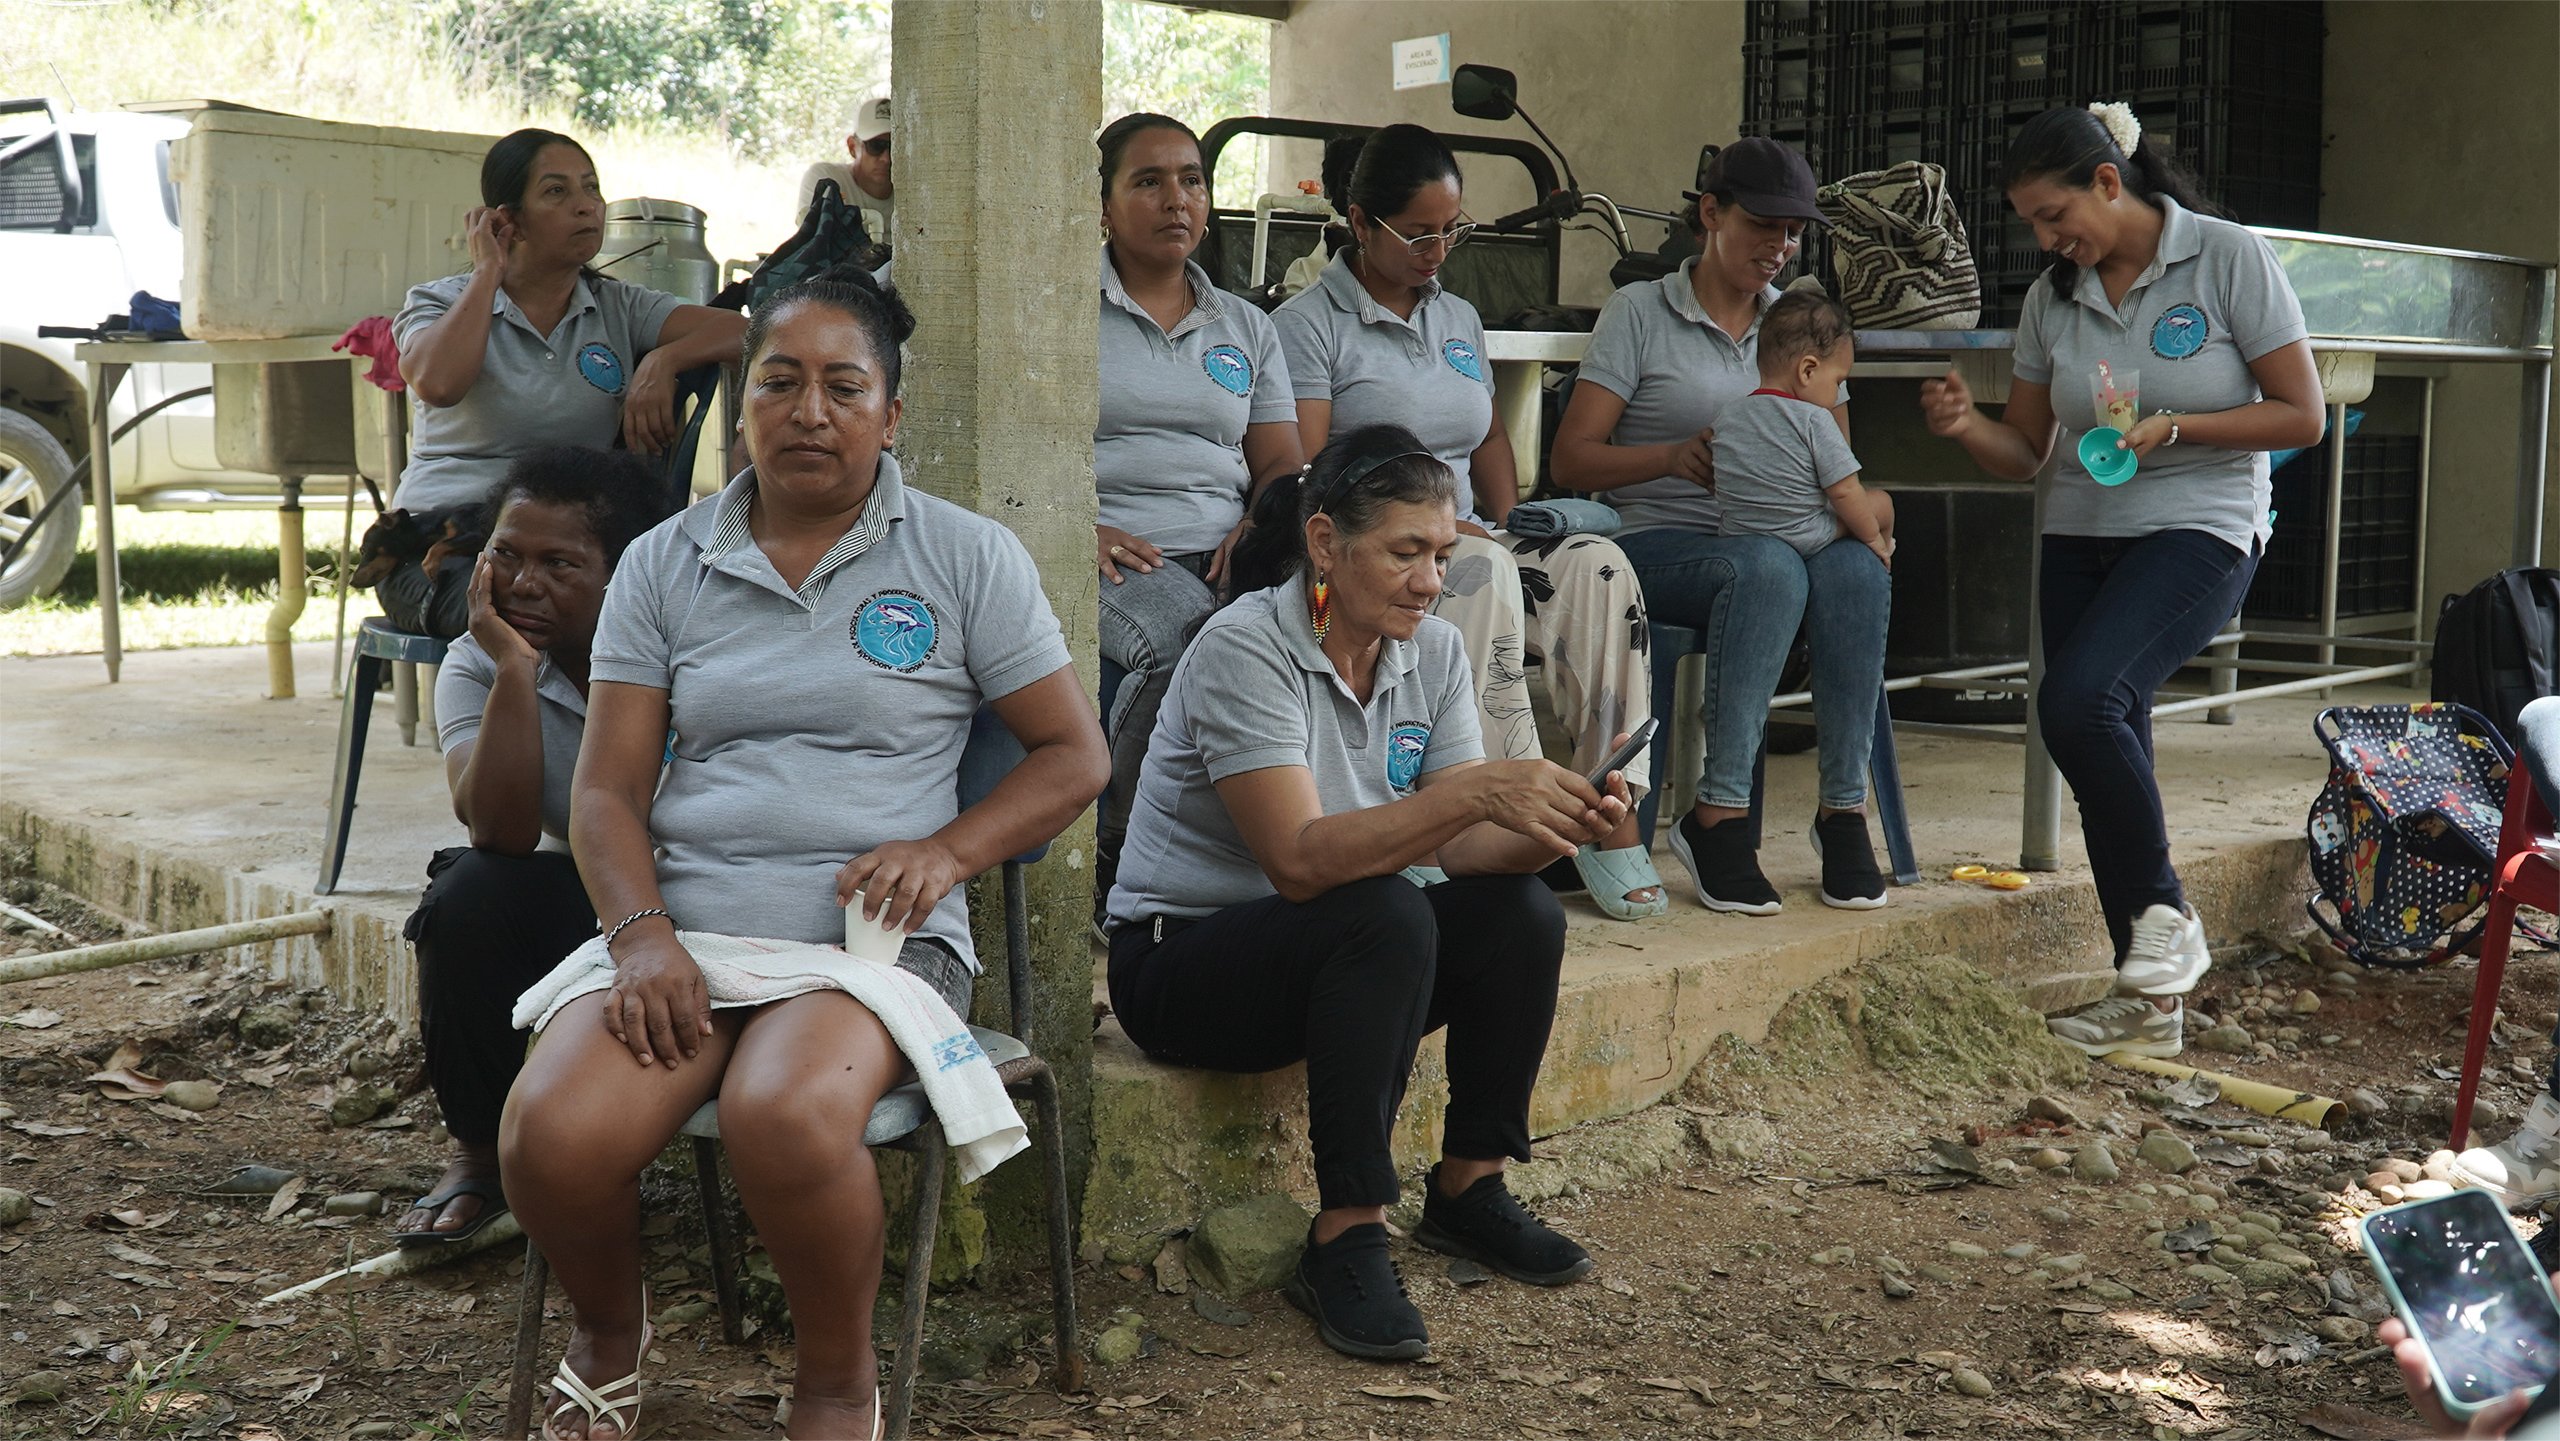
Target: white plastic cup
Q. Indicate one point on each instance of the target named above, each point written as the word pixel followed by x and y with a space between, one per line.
pixel 870 940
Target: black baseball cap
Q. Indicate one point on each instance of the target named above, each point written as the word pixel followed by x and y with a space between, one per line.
pixel 1763 177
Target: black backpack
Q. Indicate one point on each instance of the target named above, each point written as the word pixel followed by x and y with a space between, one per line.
pixel 2498 645
pixel 832 234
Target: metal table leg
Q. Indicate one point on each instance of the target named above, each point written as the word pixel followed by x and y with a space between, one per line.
pixel 2040 799
pixel 346 546
pixel 293 589
pixel 104 377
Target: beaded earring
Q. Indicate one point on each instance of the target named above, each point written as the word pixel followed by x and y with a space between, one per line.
pixel 1320 607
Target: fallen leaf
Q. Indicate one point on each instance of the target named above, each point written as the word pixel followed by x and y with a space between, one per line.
pixel 65 1308
pixel 306 1391
pixel 230 1278
pixel 168 1112
pixel 35 1018
pixel 266 1076
pixel 2082 1308
pixel 141 1280
pixel 136 1256
pixel 127 1055
pixel 1405 1393
pixel 1954 1156
pixel 1589 1386
pixel 1529 1378
pixel 260 1323
pixel 1613 1284
pixel 286 1195
pixel 128 1085
pixel 39 1128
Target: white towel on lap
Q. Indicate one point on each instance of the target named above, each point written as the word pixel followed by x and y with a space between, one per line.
pixel 960 1083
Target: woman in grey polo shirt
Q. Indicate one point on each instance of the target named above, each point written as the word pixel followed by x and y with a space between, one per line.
pixel 2150 292
pixel 1378 341
pixel 531 348
pixel 1321 737
pixel 1665 358
pixel 1196 418
pixel 511 700
pixel 782 686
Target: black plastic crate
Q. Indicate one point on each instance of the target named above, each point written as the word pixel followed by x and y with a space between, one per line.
pixel 1787 80
pixel 1874 139
pixel 2186 44
pixel 2377 532
pixel 2236 134
pixel 2277 203
pixel 2025 57
pixel 1784 19
pixel 1907 67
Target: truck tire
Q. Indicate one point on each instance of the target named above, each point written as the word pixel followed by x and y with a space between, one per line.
pixel 33 468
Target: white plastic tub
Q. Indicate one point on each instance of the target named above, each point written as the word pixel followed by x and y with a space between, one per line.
pixel 304 227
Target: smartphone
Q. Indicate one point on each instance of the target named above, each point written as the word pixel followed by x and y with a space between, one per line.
pixel 1642 737
pixel 2468 1287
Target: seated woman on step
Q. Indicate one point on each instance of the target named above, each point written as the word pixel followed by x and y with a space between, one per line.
pixel 1320 736
pixel 783 684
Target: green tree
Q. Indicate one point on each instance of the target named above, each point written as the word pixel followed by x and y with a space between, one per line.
pixel 1198 68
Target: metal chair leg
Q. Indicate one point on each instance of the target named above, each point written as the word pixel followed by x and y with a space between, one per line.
pixel 355 717
pixel 1884 772
pixel 724 1246
pixel 1062 1245
pixel 2495 943
pixel 404 700
pixel 903 1376
pixel 528 1358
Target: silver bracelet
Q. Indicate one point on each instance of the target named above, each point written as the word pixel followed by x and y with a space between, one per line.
pixel 626 920
pixel 2173 428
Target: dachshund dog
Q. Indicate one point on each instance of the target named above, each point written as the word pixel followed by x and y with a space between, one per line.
pixel 423 538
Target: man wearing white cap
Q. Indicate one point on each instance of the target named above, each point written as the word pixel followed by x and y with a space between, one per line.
pixel 866 180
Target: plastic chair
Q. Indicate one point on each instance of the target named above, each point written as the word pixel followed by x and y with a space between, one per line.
pixel 2524 878
pixel 377 645
pixel 902 1120
pixel 1673 644
pixel 694 389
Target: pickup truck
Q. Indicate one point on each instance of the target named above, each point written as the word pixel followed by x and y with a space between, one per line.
pixel 88 216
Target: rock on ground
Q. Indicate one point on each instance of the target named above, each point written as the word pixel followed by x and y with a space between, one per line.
pixel 2165 1152
pixel 1249 1246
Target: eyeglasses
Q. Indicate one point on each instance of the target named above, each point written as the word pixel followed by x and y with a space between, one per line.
pixel 1447 240
pixel 877 144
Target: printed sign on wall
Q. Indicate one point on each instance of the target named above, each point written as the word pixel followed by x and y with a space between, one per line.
pixel 1421 61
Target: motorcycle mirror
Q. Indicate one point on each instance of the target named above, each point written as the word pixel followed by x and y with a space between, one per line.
pixel 1484 92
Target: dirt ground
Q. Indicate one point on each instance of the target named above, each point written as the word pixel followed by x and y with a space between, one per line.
pixel 1849 1281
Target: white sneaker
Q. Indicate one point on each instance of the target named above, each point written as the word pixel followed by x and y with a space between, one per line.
pixel 2122 1023
pixel 2168 955
pixel 2524 1168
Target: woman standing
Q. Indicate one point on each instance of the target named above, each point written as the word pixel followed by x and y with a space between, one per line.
pixel 1196 418
pixel 782 686
pixel 530 348
pixel 1320 737
pixel 2148 290
pixel 1378 341
pixel 1666 357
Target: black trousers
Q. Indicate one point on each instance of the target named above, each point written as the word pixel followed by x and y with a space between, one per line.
pixel 488 927
pixel 1350 982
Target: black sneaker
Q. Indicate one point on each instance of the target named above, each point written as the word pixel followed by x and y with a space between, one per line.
pixel 1356 1295
pixel 1850 880
pixel 1489 1224
pixel 1725 866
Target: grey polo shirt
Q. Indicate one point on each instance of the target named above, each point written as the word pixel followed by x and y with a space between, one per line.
pixel 811 726
pixel 1256 691
pixel 1775 455
pixel 1428 373
pixel 1168 447
pixel 1655 349
pixel 462 693
pixel 2211 301
pixel 564 388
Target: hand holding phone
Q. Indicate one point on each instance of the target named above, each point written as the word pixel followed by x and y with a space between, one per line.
pixel 1618 761
pixel 2471 1294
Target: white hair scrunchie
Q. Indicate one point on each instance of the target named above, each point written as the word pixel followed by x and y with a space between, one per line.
pixel 2122 127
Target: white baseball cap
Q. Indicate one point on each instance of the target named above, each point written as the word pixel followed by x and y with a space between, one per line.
pixel 871 117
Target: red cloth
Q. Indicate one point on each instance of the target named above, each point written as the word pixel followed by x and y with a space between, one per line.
pixel 371 338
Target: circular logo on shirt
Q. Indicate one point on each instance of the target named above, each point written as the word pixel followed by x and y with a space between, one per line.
pixel 601 367
pixel 2179 332
pixel 1405 745
pixel 1463 359
pixel 1228 366
pixel 895 630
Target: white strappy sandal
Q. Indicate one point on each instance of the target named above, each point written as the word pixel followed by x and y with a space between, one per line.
pixel 617 1401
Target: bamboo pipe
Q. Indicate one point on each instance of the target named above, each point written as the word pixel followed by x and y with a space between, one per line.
pixel 2283 1103
pixel 175 943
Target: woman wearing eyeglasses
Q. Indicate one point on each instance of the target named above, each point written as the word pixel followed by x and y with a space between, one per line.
pixel 1378 341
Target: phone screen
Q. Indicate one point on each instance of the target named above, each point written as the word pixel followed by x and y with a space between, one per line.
pixel 2472 1293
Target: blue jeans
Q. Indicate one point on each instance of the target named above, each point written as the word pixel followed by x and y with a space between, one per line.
pixel 1146 621
pixel 2120 616
pixel 1746 595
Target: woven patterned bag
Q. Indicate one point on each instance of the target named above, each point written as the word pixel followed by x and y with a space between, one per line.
pixel 1898 251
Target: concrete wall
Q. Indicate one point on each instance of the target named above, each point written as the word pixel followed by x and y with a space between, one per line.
pixel 2443 131
pixel 1630 91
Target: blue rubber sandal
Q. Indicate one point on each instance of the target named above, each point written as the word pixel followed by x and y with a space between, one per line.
pixel 1609 875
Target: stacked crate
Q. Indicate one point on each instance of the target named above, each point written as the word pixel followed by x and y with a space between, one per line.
pixel 2231 89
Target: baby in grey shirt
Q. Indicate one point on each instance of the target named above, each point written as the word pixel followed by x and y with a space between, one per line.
pixel 1781 465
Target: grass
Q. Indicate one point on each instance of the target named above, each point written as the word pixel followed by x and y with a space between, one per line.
pixel 189 579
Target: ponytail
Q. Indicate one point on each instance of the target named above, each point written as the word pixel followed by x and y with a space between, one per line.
pixel 2067 145
pixel 1357 475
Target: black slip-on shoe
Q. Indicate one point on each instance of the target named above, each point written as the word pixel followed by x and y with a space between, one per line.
pixel 1850 880
pixel 1488 1224
pixel 1724 865
pixel 1352 1288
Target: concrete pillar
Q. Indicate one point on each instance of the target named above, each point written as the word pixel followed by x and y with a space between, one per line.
pixel 996 230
